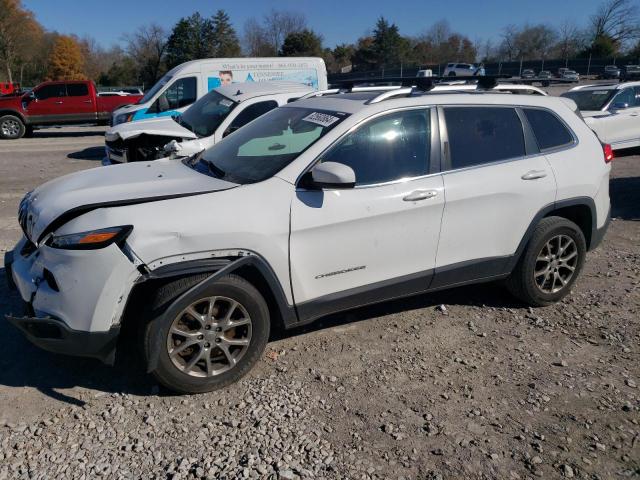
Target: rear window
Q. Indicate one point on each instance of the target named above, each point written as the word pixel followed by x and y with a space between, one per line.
pixel 480 135
pixel 549 131
pixel 590 100
pixel 77 90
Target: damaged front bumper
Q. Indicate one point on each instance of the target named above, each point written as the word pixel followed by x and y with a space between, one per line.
pixel 55 336
pixel 75 299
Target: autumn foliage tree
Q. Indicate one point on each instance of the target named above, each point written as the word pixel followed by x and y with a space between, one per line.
pixel 20 35
pixel 66 61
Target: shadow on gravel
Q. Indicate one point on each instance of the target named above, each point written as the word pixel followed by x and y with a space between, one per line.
pixel 486 294
pixel 52 133
pixel 24 365
pixel 625 198
pixel 90 153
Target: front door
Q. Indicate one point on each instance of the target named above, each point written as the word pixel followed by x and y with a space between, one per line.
pixel 350 247
pixel 48 104
pixel 622 125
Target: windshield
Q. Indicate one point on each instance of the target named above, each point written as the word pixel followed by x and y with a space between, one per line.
pixel 204 116
pixel 267 145
pixel 155 89
pixel 590 99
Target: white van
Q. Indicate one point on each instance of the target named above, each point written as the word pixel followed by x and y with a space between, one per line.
pixel 186 83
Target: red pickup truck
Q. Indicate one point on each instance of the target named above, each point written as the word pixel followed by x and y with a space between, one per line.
pixel 57 103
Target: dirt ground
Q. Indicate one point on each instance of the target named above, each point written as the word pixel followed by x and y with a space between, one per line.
pixel 465 383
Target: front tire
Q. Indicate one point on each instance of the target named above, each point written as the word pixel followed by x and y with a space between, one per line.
pixel 11 127
pixel 550 264
pixel 212 339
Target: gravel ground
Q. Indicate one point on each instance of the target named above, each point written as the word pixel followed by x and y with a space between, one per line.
pixel 465 383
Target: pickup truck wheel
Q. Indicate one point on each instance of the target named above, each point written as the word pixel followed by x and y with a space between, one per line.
pixel 11 127
pixel 213 340
pixel 550 263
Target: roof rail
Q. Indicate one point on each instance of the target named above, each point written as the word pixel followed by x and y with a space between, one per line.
pixel 319 93
pixel 398 92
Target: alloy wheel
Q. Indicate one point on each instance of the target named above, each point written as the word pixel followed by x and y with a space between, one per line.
pixel 556 264
pixel 10 128
pixel 209 337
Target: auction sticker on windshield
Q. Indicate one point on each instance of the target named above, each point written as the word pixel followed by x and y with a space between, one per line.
pixel 322 119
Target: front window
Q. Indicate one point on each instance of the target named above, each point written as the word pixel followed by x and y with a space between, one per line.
pixel 206 115
pixel 180 94
pixel 590 100
pixel 155 89
pixel 267 145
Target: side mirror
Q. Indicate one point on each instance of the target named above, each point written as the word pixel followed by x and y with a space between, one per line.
pixel 620 106
pixel 32 96
pixel 332 175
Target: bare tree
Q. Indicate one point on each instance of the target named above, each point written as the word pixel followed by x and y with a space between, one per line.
pixel 147 46
pixel 255 40
pixel 279 24
pixel 508 46
pixel 569 40
pixel 616 19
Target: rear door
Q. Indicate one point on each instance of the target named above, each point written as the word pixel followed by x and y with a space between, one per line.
pixel 354 246
pixel 80 103
pixel 494 190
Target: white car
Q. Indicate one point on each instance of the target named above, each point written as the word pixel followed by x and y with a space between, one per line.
pixel 219 113
pixel 320 206
pixel 463 70
pixel 612 111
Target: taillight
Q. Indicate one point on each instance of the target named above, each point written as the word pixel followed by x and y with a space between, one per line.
pixel 608 153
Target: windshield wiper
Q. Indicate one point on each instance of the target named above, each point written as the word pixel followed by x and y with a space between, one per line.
pixel 218 172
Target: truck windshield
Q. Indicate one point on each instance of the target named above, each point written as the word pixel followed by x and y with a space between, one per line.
pixel 155 89
pixel 204 116
pixel 267 145
pixel 590 100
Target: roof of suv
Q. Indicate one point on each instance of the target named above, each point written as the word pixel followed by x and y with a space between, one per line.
pixel 360 101
pixel 244 91
pixel 606 86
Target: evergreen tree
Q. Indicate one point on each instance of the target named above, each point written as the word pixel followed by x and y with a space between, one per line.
pixel 389 47
pixel 191 38
pixel 225 40
pixel 302 44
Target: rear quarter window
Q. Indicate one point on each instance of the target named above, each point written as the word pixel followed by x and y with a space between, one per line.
pixel 549 131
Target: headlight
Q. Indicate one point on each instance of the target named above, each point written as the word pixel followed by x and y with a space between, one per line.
pixel 123 118
pixel 91 240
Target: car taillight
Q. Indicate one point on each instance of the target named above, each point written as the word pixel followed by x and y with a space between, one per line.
pixel 608 153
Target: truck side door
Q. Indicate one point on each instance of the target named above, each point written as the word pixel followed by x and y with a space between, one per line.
pixel 47 105
pixel 80 104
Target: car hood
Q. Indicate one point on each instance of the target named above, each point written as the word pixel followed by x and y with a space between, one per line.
pixel 161 126
pixel 54 203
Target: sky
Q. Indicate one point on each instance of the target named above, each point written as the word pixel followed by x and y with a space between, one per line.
pixel 338 21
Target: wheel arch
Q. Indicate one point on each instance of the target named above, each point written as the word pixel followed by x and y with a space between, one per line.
pixel 16 114
pixel 579 210
pixel 252 268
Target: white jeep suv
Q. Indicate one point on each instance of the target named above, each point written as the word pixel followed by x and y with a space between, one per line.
pixel 319 206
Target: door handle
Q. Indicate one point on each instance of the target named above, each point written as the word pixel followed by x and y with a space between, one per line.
pixel 420 195
pixel 87 101
pixel 59 102
pixel 534 174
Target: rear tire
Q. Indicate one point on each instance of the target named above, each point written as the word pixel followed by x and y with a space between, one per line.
pixel 221 346
pixel 550 264
pixel 11 127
